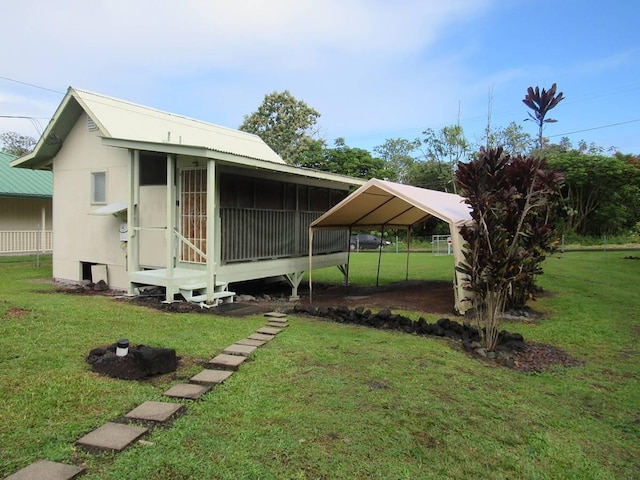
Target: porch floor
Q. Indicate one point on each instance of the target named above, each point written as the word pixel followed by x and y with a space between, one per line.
pixel 160 277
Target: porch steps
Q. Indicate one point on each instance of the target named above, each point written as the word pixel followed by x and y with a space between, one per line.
pixel 197 293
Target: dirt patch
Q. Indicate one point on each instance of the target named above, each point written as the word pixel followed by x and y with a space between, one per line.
pixel 415 295
pixel 16 313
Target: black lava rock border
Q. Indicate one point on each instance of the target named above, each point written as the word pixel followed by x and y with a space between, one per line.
pixel 468 334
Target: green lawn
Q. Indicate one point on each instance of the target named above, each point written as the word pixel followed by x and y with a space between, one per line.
pixel 332 401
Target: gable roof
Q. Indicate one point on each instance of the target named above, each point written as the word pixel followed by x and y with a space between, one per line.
pixel 381 203
pixel 119 119
pixel 15 182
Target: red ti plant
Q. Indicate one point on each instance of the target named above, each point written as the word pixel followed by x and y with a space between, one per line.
pixel 541 103
pixel 511 198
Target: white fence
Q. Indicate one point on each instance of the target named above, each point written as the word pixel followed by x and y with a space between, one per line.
pixel 26 241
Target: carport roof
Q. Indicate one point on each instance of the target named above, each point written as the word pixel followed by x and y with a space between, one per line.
pixel 381 203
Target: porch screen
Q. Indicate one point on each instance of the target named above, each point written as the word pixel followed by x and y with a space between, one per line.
pixel 193 202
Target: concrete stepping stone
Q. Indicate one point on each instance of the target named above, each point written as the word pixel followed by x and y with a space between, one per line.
pixel 111 437
pixel 237 349
pixel 224 361
pixel 251 341
pixel 269 330
pixel 46 470
pixel 261 336
pixel 276 324
pixel 275 315
pixel 155 411
pixel 211 377
pixel 187 390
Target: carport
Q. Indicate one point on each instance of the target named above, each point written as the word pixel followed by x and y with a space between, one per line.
pixel 380 204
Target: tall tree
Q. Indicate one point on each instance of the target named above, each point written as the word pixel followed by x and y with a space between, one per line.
pixel 510 199
pixel 286 124
pixel 601 194
pixel 541 103
pixel 512 138
pixel 16 144
pixel 399 154
pixel 448 145
pixel 345 160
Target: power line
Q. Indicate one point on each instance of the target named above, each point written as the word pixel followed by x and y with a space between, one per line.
pixel 595 128
pixel 30 85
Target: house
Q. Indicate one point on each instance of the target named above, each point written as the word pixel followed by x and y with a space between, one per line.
pixel 25 209
pixel 148 198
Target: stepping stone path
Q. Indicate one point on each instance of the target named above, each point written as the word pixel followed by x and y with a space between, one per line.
pixel 238 349
pixel 269 330
pixel 251 341
pixel 111 437
pixel 226 361
pixel 155 411
pixel 188 391
pixel 116 437
pixel 260 336
pixel 211 377
pixel 46 470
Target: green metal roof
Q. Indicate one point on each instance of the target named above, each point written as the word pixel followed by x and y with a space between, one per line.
pixel 19 182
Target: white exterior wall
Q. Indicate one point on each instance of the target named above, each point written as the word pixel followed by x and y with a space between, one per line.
pixel 79 236
pixel 24 213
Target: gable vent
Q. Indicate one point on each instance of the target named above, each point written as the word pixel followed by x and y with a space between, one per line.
pixel 91 125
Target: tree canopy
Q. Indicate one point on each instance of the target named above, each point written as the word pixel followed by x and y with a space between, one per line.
pixel 16 144
pixel 601 194
pixel 286 124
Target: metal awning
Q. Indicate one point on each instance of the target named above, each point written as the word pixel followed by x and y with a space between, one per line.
pixel 111 209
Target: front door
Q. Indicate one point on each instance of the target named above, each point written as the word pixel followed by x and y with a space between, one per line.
pixel 193 214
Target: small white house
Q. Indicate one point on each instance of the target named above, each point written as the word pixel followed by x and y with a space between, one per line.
pixel 143 197
pixel 25 209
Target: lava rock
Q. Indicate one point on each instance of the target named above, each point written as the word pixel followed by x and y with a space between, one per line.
pixel 154 361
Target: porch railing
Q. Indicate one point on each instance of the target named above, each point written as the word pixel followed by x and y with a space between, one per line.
pixel 26 241
pixel 252 234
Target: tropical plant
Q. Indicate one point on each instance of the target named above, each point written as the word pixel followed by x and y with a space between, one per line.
pixel 541 103
pixel 510 199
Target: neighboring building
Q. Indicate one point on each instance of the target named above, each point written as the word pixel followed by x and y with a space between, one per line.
pixel 143 197
pixel 25 209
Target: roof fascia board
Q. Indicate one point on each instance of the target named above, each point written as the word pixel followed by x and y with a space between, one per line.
pixel 203 152
pixel 31 160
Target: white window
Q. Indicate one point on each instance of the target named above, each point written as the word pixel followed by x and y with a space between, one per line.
pixel 99 187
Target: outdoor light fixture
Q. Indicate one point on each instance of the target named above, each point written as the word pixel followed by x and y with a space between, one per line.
pixel 122 347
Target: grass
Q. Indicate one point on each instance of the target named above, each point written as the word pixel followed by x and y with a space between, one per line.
pixel 334 401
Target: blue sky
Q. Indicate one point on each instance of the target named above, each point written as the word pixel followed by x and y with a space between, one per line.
pixel 374 69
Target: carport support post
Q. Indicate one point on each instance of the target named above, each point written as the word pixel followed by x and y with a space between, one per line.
pixel 380 254
pixel 408 245
pixel 346 277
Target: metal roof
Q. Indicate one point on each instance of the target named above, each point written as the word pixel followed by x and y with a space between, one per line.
pixel 16 182
pixel 124 120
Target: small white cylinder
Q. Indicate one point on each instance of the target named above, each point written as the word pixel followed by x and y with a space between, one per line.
pixel 122 347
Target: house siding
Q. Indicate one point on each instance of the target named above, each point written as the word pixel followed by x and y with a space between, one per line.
pixel 79 236
pixel 24 213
